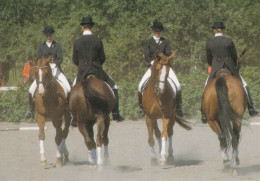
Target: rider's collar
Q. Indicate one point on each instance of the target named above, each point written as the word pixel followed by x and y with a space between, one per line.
pixel 156 39
pixel 48 43
pixel 87 32
pixel 218 34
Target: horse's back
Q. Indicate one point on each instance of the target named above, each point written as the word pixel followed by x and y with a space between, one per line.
pixel 236 95
pixel 94 91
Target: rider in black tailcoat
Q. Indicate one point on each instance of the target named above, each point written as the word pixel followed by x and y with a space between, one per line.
pixel 89 56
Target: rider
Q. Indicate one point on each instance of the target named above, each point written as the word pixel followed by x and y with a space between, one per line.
pixel 46 49
pixel 158 44
pixel 89 56
pixel 221 52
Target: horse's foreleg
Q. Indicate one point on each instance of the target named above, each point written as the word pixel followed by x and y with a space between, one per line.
pixel 57 123
pixel 164 135
pixel 149 124
pixel 158 133
pixel 170 133
pixel 105 139
pixel 41 124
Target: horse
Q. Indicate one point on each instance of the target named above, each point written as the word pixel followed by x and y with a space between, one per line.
pixel 223 103
pixel 91 101
pixel 159 102
pixel 50 102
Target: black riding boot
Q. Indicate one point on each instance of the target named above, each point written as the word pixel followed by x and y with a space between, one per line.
pixel 140 101
pixel 30 112
pixel 179 104
pixel 73 121
pixel 115 111
pixel 251 108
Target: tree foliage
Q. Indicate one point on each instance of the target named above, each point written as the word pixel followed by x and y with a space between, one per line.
pixel 124 26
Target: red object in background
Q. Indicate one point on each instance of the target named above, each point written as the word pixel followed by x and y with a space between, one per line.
pixel 209 69
pixel 26 70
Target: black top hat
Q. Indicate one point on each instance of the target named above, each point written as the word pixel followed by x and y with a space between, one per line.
pixel 48 30
pixel 218 25
pixel 157 26
pixel 87 21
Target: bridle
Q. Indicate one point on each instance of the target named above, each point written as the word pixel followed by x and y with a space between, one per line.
pixel 41 82
pixel 156 81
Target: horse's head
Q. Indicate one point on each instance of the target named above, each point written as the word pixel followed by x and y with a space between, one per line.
pixel 160 71
pixel 43 74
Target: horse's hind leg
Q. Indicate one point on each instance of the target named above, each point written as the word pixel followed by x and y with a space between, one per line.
pixel 235 141
pixel 214 125
pixel 99 140
pixel 65 133
pixel 88 134
pixel 157 133
pixel 41 124
pixel 170 134
pixel 150 125
pixel 105 139
pixel 57 123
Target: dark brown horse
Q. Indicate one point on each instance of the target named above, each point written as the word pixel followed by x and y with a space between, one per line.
pixel 50 102
pixel 91 101
pixel 224 103
pixel 159 102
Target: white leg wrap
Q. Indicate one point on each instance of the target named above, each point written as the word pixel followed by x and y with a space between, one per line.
pixel 153 153
pixel 42 150
pixel 74 82
pixel 64 147
pixel 99 156
pixel 106 153
pixel 234 156
pixel 224 155
pixel 92 156
pixel 163 151
pixel 160 144
pixel 58 153
pixel 170 148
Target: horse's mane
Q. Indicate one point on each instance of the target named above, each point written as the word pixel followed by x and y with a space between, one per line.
pixel 97 100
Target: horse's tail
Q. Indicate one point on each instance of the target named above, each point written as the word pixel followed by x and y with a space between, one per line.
pixel 183 123
pixel 227 116
pixel 97 101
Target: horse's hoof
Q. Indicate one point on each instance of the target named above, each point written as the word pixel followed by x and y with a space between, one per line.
pixel 226 165
pixel 59 162
pixel 238 161
pixel 93 165
pixel 170 159
pixel 233 172
pixel 66 159
pixel 154 162
pixel 43 163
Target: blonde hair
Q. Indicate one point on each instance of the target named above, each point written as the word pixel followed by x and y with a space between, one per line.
pixel 218 30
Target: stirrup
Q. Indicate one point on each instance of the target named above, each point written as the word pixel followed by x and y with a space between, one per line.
pixel 203 119
pixel 29 115
pixel 141 112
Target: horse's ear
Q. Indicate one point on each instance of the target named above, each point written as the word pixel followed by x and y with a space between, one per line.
pixel 171 56
pixel 157 57
pixel 241 53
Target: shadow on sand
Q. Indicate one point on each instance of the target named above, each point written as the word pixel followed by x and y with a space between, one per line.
pixel 127 168
pixel 243 171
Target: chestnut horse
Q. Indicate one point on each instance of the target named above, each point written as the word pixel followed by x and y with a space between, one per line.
pixel 50 102
pixel 91 101
pixel 223 103
pixel 159 102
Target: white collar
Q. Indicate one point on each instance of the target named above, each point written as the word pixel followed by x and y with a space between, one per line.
pixel 156 39
pixel 87 32
pixel 48 43
pixel 218 34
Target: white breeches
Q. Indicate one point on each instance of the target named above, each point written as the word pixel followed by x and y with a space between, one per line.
pixel 171 78
pixel 58 75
